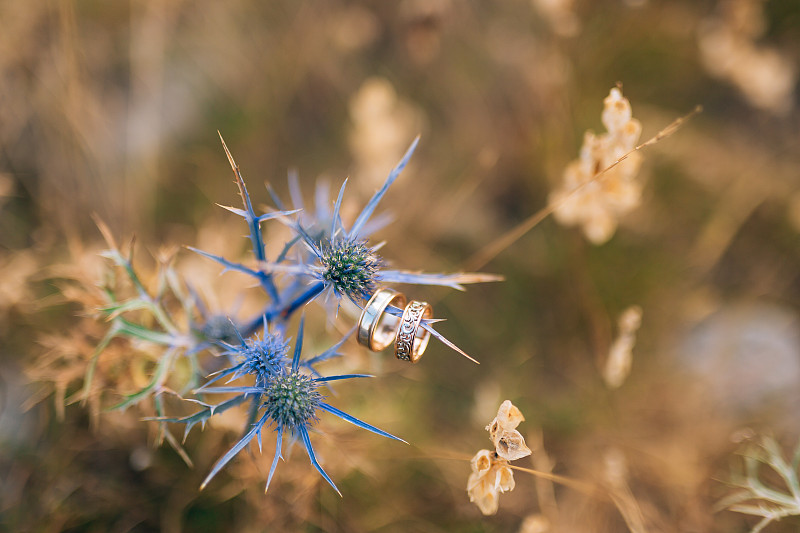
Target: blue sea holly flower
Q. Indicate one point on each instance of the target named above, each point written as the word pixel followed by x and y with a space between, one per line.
pixel 291 399
pixel 344 264
pixel 349 267
pixel 338 262
pixel 265 358
pixel 286 399
pixel 262 356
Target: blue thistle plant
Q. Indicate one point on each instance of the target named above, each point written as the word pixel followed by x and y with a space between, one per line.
pixel 284 398
pixel 282 393
pixel 339 262
pixel 347 266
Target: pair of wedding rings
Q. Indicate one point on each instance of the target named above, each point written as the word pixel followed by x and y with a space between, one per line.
pixel 381 324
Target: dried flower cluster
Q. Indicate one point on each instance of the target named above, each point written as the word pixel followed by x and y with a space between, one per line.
pixel 491 473
pixel 596 202
pixel 728 48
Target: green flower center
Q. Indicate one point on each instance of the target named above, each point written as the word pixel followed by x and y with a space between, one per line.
pixel 292 399
pixel 350 267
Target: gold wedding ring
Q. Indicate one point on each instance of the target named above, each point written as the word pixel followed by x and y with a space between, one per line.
pixel 376 328
pixel 411 339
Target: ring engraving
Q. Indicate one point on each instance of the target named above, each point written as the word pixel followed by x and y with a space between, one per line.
pixel 411 339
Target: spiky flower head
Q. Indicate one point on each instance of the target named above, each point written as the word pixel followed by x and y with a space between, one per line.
pixel 287 399
pixel 265 357
pixel 350 267
pixel 291 399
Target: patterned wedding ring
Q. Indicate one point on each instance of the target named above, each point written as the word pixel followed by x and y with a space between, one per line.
pixel 376 328
pixel 411 339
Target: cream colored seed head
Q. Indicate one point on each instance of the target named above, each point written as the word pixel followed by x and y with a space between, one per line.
pixel 595 191
pixel 491 473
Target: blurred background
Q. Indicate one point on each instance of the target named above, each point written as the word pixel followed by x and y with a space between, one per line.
pixel 113 108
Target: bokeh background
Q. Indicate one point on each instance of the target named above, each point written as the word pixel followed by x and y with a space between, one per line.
pixel 113 108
